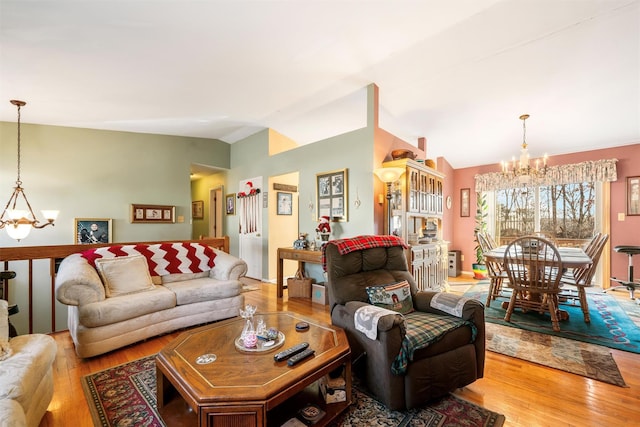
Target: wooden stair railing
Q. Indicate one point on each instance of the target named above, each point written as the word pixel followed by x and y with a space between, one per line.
pixel 57 252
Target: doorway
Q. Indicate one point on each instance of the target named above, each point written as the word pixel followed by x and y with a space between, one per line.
pixel 216 217
pixel 283 227
pixel 249 210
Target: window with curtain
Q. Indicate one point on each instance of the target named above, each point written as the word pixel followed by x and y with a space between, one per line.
pixel 561 205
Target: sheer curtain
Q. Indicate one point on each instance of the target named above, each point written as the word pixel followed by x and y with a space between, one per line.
pixel 590 171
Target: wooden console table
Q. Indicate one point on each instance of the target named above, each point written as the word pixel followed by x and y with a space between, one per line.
pixel 300 255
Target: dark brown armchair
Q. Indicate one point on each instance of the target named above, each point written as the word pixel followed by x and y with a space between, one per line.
pixel 454 360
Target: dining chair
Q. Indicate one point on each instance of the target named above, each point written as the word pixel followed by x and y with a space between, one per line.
pixel 497 273
pixel 534 269
pixel 582 278
pixel 491 240
pixel 588 249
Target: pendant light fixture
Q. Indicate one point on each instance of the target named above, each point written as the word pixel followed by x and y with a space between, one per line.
pixel 522 169
pixel 16 220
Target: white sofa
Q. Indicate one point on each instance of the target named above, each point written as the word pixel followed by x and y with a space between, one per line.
pixel 26 375
pixel 112 303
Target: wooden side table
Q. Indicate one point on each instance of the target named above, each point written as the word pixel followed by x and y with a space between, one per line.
pixel 300 255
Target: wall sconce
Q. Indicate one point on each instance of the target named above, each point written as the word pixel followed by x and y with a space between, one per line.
pixel 380 198
pixel 388 176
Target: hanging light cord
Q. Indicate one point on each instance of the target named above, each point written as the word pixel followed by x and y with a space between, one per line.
pixel 524 129
pixel 18 181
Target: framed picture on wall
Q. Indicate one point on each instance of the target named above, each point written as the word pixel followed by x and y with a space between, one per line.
pixel 230 203
pixel 465 194
pixel 331 195
pixel 285 203
pixel 633 195
pixel 197 209
pixel 153 213
pixel 89 231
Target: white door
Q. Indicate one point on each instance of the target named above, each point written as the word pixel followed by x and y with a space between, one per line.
pixel 249 210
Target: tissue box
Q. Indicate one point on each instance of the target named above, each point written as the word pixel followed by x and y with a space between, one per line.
pixel 332 389
pixel 319 294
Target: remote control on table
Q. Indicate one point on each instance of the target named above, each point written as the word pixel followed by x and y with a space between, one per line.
pixel 285 354
pixel 300 356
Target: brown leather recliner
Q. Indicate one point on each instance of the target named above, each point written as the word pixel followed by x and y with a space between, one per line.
pixel 453 361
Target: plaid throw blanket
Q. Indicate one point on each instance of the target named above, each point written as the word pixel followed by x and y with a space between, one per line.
pixel 424 329
pixel 163 258
pixel 359 243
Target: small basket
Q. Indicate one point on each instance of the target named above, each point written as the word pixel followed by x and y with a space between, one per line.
pixel 299 286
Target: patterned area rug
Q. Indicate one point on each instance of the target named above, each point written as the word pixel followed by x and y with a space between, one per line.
pixel 610 324
pixel 125 395
pixel 589 360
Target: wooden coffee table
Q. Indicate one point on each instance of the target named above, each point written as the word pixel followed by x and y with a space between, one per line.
pixel 242 388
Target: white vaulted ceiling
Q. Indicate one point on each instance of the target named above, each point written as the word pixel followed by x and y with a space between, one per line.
pixel 458 72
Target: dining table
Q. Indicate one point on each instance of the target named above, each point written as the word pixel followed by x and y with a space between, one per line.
pixel 569 256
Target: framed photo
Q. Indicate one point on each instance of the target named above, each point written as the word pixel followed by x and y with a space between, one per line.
pixel 285 201
pixel 465 194
pixel 153 213
pixel 633 195
pixel 197 209
pixel 331 195
pixel 230 203
pixel 88 231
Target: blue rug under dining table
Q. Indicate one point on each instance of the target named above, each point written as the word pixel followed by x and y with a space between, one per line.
pixel 610 325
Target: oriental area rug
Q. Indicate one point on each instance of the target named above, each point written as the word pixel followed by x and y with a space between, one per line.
pixel 125 395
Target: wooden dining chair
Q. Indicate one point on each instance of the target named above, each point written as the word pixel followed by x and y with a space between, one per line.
pixel 534 269
pixel 588 249
pixel 496 272
pixel 575 282
pixel 491 240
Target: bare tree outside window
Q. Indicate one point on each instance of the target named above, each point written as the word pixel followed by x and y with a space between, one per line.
pixel 565 213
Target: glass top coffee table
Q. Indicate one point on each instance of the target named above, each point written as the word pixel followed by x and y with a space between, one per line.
pixel 204 379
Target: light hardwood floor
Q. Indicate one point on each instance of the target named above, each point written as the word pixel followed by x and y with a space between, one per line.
pixel 527 394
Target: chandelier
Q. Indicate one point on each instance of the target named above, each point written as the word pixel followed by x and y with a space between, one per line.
pixel 522 169
pixel 19 222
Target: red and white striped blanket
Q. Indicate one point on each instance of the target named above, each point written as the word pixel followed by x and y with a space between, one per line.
pixel 163 258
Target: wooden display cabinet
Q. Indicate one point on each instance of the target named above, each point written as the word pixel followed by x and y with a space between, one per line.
pixel 417 208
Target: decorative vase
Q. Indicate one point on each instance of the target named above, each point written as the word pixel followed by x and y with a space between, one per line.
pixel 249 330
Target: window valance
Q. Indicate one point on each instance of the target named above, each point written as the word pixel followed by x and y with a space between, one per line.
pixel 590 171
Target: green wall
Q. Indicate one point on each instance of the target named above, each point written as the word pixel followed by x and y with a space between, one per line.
pixel 89 173
pixel 98 174
pixel 352 150
pixel 94 174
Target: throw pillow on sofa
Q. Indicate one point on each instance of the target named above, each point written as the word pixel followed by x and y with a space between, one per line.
pixel 124 275
pixel 396 297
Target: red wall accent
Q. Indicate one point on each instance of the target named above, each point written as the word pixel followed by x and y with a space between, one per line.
pixel 626 232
